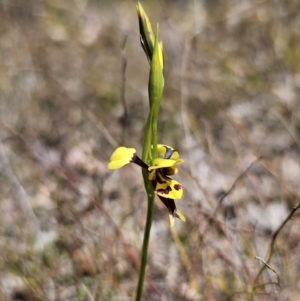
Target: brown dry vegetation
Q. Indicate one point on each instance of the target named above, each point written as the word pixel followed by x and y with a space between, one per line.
pixel 72 230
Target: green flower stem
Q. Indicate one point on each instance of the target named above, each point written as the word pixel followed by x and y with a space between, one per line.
pixel 155 89
pixel 150 192
pixel 144 256
pixel 146 152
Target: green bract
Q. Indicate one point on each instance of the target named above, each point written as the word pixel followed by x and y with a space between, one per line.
pixel 147 37
pixel 146 33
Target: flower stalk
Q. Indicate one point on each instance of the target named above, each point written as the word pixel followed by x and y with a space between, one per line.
pixel 155 89
pixel 158 161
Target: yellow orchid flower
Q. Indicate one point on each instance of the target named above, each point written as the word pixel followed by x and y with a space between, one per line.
pixel 160 169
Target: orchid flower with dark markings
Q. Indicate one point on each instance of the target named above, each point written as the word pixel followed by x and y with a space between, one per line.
pixel 160 170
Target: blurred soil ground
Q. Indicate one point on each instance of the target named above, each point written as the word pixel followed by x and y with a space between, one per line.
pixel 70 229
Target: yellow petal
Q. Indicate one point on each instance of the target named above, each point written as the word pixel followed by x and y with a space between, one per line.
pixel 152 175
pixel 168 171
pixel 120 157
pixel 162 150
pixel 180 215
pixel 172 220
pixel 169 189
pixel 163 163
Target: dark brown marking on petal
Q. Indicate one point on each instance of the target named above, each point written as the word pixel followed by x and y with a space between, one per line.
pixel 160 177
pixel 165 191
pixel 135 159
pixel 163 175
pixel 177 186
pixel 168 153
pixel 169 203
pixel 168 171
pixel 162 191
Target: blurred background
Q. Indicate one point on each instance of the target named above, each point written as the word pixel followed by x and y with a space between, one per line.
pixel 73 87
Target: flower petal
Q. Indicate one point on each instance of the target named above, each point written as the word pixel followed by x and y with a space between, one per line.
pixel 172 219
pixel 120 157
pixel 169 171
pixel 179 215
pixel 167 152
pixel 163 163
pixel 169 203
pixel 152 175
pixel 173 212
pixel 169 189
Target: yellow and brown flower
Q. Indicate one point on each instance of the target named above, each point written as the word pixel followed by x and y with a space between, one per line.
pixel 160 169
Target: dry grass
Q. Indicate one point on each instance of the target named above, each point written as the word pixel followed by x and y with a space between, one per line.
pixel 72 230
